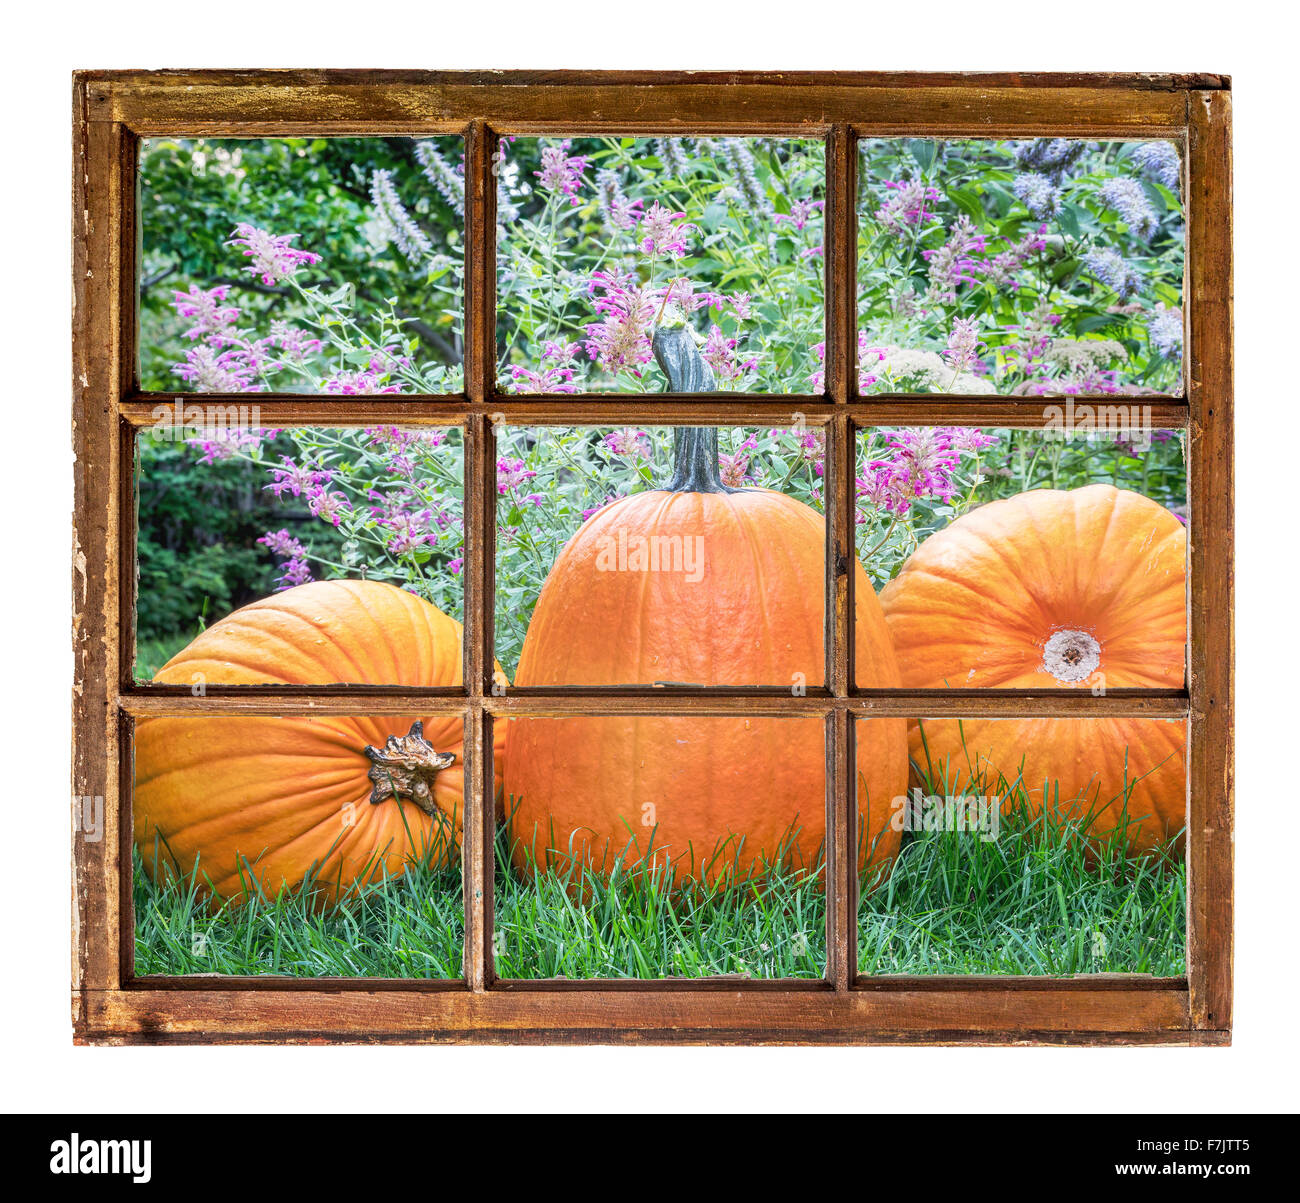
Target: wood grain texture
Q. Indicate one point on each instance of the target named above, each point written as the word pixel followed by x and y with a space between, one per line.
pixel 720 409
pixel 331 102
pixel 595 1016
pixel 142 701
pixel 1211 504
pixel 100 154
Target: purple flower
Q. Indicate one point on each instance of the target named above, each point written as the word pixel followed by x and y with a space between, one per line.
pixel 620 213
pixel 327 505
pixel 281 543
pixel 553 377
pixel 907 205
pixel 212 371
pixel 962 351
pixel 296 478
pixel 212 320
pixel 663 233
pixel 801 212
pixel 628 443
pixel 272 257
pixel 952 265
pixel 734 469
pixel 1040 196
pixel 1112 270
pixel 1126 197
pixel 1002 268
pixel 1165 331
pixel 511 473
pixel 561 172
pixel 395 223
pixel 621 340
pixel 719 354
pixel 1159 161
pixel 296 572
pixel 448 180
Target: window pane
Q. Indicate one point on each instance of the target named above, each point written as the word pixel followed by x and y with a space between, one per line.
pixel 304 556
pixel 329 265
pixel 603 238
pixel 1030 846
pixel 1027 559
pixel 607 576
pixel 662 847
pixel 1039 267
pixel 308 846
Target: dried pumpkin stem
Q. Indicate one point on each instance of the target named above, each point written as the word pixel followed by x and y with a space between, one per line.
pixel 406 767
pixel 695 448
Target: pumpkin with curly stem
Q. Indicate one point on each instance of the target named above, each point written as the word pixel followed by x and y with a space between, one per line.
pixel 267 801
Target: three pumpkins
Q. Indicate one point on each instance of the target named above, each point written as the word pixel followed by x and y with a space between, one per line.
pixel 267 801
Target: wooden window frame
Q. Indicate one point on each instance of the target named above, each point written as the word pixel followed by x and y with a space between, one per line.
pixel 112 111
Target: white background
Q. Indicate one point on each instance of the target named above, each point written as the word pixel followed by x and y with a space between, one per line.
pixel 44 43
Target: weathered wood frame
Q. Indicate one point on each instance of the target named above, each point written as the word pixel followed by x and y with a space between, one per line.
pixel 112 111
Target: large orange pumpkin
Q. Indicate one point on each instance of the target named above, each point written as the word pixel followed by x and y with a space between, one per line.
pixel 703 584
pixel 1077 589
pixel 345 798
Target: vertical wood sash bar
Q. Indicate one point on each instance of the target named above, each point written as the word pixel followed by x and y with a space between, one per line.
pixel 100 152
pixel 841 270
pixel 480 367
pixel 841 864
pixel 1210 683
pixel 841 381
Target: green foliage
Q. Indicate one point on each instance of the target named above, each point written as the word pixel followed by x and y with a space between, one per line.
pixel 196 543
pixel 194 191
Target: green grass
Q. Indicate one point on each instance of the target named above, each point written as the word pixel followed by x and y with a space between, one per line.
pixel 634 924
pixel 407 926
pixel 1031 902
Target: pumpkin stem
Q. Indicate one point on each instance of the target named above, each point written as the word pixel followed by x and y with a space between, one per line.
pixel 1071 655
pixel 695 448
pixel 406 766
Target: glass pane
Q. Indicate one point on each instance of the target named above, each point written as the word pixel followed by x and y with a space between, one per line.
pixel 309 846
pixel 1038 267
pixel 612 570
pixel 1027 559
pixel 602 239
pixel 662 847
pixel 305 556
pixel 331 265
pixel 1030 846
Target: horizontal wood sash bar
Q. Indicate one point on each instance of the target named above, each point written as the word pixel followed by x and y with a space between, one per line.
pixel 957 982
pixel 1162 81
pixel 711 1016
pixel 176 701
pixel 918 409
pixel 522 103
